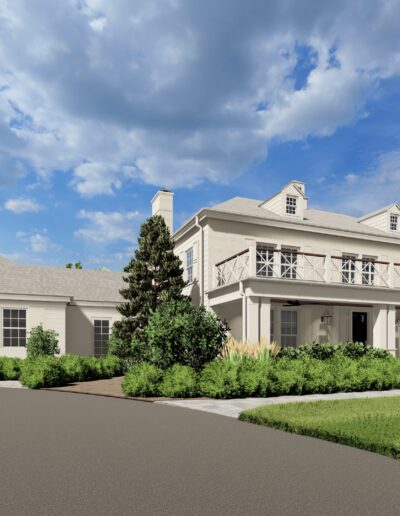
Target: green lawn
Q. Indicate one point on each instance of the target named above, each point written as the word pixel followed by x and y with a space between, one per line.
pixel 371 424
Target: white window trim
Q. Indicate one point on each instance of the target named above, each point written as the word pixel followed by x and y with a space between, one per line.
pixel 396 216
pixel 186 265
pixel 99 318
pixel 2 325
pixel 295 205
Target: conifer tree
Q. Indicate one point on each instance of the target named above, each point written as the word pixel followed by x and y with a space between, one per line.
pixel 154 275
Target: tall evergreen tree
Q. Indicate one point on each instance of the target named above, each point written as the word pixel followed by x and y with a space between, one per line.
pixel 154 275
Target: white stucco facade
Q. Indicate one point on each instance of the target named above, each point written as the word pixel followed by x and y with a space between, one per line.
pixel 339 275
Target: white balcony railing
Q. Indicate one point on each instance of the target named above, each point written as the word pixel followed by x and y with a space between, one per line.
pixel 289 264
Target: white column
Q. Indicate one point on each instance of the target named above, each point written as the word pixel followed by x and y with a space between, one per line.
pixel 379 326
pixel 265 318
pixel 253 259
pixel 335 324
pixel 391 329
pixel 253 319
pixel 244 317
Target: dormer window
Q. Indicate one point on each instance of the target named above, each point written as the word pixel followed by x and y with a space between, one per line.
pixel 393 222
pixel 291 205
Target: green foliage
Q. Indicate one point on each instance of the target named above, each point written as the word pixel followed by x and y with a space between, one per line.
pixel 325 350
pixel 119 347
pixel 78 265
pixel 42 371
pixel 142 380
pixel 42 342
pixel 179 382
pixel 10 368
pixel 153 276
pixel 75 368
pixel 179 332
pixel 371 424
pixel 253 377
pixel 219 379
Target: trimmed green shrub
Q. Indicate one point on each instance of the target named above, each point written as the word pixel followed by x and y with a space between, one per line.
pixel 119 347
pixel 179 382
pixel 219 379
pixel 10 368
pixel 326 350
pixel 75 368
pixel 253 377
pixel 42 371
pixel 110 366
pixel 42 342
pixel 179 332
pixel 142 380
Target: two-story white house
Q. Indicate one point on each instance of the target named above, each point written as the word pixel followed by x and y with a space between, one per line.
pixel 277 269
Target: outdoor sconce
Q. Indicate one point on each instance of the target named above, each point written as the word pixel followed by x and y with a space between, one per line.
pixel 326 318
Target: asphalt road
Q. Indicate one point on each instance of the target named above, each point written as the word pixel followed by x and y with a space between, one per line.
pixel 63 453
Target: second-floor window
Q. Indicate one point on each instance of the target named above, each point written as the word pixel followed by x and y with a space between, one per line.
pixel 368 271
pixel 289 263
pixel 14 328
pixel 348 269
pixel 189 265
pixel 265 261
pixel 393 222
pixel 291 204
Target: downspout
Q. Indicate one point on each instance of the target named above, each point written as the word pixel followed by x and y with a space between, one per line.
pixel 200 260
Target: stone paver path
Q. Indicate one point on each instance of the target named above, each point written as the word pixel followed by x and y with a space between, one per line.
pixel 11 384
pixel 232 408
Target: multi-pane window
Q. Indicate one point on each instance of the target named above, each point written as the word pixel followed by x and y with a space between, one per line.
pixel 289 263
pixel 288 328
pixel 291 204
pixel 14 328
pixel 265 261
pixel 272 327
pixel 348 269
pixel 101 336
pixel 367 271
pixel 189 265
pixel 393 222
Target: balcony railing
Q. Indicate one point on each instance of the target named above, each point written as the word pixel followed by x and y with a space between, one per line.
pixel 289 264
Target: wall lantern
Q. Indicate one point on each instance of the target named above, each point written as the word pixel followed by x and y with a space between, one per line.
pixel 326 318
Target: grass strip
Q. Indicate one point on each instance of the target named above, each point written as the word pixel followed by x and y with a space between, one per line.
pixel 370 423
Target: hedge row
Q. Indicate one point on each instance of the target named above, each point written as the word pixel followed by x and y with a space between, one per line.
pixel 46 371
pixel 326 350
pixel 251 377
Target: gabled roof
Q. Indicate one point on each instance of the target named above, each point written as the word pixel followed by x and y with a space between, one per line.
pixel 378 212
pixel 312 218
pixel 79 284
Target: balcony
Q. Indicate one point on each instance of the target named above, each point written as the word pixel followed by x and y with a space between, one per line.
pixel 291 265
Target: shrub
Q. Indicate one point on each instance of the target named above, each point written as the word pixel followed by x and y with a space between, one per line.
pixel 110 366
pixel 326 350
pixel 219 379
pixel 10 368
pixel 42 371
pixel 42 342
pixel 75 367
pixel 118 347
pixel 179 381
pixel 179 332
pixel 142 380
pixel 253 377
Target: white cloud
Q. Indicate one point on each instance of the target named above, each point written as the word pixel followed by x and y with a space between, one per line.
pixel 105 228
pixel 169 90
pixel 38 242
pixel 22 205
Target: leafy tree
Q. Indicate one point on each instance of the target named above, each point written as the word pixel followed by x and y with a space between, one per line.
pixel 153 276
pixel 69 265
pixel 42 342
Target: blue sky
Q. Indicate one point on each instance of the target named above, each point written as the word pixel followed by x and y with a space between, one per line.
pixel 102 103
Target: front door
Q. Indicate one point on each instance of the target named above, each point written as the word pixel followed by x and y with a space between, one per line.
pixel 360 327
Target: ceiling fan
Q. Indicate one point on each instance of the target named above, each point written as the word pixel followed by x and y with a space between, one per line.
pixel 292 303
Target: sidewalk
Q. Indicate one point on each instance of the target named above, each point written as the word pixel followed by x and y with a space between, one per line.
pixel 232 408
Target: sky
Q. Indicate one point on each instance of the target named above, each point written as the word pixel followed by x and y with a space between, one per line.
pixel 103 103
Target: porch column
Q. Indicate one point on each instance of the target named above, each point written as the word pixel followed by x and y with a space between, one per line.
pixel 380 326
pixel 391 329
pixel 253 318
pixel 265 318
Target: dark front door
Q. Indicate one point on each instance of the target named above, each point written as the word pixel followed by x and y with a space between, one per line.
pixel 360 327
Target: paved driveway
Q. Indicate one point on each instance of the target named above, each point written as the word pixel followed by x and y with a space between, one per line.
pixel 63 453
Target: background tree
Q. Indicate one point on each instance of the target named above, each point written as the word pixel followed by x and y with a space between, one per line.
pixel 70 265
pixel 153 276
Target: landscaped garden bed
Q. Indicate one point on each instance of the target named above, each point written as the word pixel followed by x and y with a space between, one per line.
pixel 371 424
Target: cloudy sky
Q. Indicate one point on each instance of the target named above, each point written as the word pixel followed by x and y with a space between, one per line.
pixel 102 103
